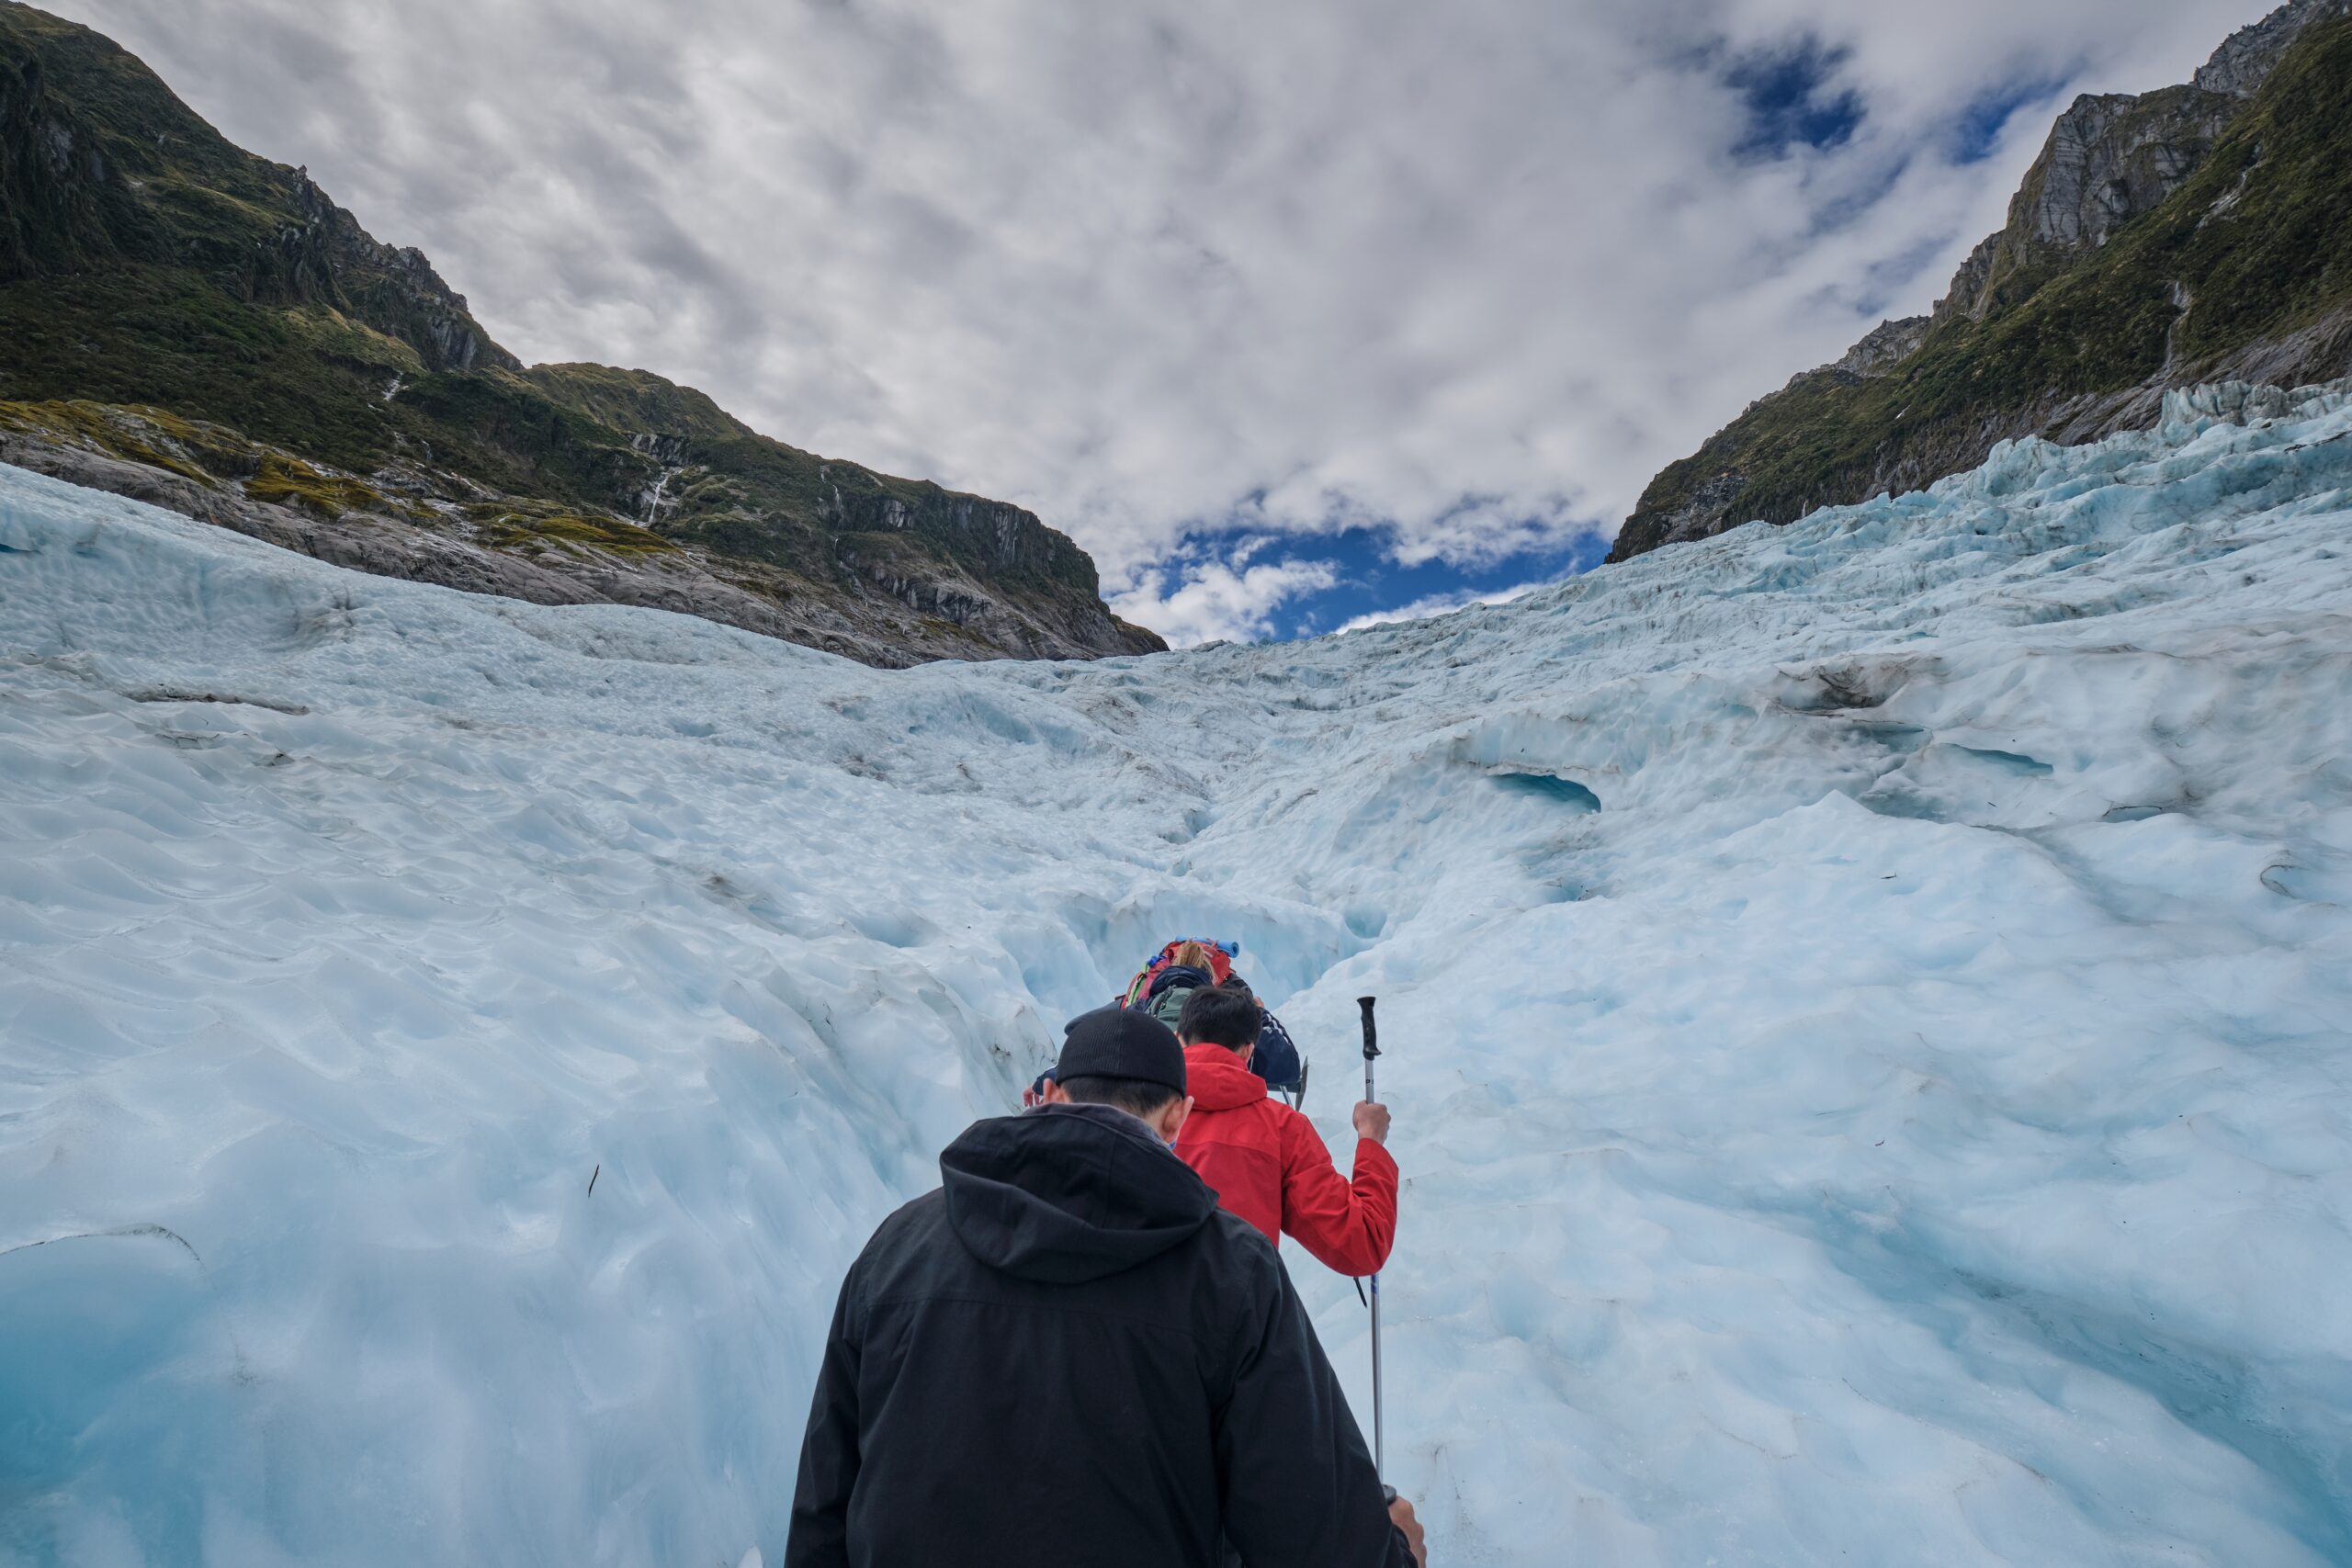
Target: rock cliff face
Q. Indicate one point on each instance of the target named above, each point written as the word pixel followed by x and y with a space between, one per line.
pixel 2193 234
pixel 327 257
pixel 1887 345
pixel 2247 56
pixel 185 321
pixel 2109 159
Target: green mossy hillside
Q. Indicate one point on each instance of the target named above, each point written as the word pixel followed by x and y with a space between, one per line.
pixel 220 461
pixel 289 481
pixel 532 528
pixel 637 400
pixel 148 263
pixel 2257 241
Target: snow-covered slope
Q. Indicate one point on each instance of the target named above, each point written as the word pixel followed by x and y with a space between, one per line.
pixel 1868 1008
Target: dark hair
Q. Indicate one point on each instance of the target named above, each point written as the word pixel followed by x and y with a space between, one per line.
pixel 1223 1015
pixel 1138 1097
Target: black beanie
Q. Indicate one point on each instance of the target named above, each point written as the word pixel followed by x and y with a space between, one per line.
pixel 1121 1043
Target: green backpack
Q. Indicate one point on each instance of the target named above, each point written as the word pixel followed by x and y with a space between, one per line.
pixel 1166 1005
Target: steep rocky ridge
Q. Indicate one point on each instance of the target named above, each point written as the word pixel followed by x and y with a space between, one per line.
pixel 2195 234
pixel 186 321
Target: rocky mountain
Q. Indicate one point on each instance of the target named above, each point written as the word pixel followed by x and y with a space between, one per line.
pixel 186 323
pixel 2196 233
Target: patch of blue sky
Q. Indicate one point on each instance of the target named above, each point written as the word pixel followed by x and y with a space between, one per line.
pixel 1369 581
pixel 1790 93
pixel 1976 132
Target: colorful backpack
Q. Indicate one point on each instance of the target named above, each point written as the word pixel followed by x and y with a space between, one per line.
pixel 1204 954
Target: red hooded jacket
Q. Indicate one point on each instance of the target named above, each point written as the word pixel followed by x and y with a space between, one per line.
pixel 1270 1167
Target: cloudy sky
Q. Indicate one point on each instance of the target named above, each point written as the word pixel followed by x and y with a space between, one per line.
pixel 1291 311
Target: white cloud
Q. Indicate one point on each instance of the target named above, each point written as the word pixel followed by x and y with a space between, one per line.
pixel 1467 273
pixel 1438 605
pixel 1212 602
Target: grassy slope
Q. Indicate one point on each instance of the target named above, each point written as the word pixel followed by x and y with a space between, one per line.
pixel 166 267
pixel 2279 258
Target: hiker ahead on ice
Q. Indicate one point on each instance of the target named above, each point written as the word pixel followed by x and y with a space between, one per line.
pixel 1265 1160
pixel 1068 1355
pixel 1183 966
pixel 1162 987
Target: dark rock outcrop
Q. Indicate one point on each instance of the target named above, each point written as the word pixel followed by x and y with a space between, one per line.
pixel 1883 347
pixel 485 547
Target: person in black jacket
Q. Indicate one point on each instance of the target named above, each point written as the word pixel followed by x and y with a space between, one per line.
pixel 1068 1355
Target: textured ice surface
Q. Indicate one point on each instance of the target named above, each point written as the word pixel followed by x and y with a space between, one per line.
pixel 1866 1002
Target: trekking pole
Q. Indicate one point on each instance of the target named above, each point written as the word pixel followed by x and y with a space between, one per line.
pixel 1371 1049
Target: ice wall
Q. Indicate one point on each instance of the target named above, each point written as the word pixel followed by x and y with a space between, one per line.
pixel 1866 1006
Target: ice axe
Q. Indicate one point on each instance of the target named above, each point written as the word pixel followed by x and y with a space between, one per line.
pixel 1371 1049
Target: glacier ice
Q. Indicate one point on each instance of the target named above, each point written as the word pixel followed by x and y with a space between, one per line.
pixel 1866 1007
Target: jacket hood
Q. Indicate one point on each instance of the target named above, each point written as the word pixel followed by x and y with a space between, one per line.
pixel 1069 1193
pixel 1217 1080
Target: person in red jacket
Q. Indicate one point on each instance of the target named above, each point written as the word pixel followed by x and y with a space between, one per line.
pixel 1265 1160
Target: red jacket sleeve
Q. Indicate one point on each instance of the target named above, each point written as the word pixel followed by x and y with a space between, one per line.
pixel 1350 1226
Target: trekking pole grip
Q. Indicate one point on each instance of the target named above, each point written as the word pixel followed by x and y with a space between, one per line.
pixel 1371 1041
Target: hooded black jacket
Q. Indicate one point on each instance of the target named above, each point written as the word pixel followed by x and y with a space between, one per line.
pixel 1069 1356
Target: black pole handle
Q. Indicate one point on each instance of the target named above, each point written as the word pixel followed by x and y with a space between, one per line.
pixel 1371 1033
